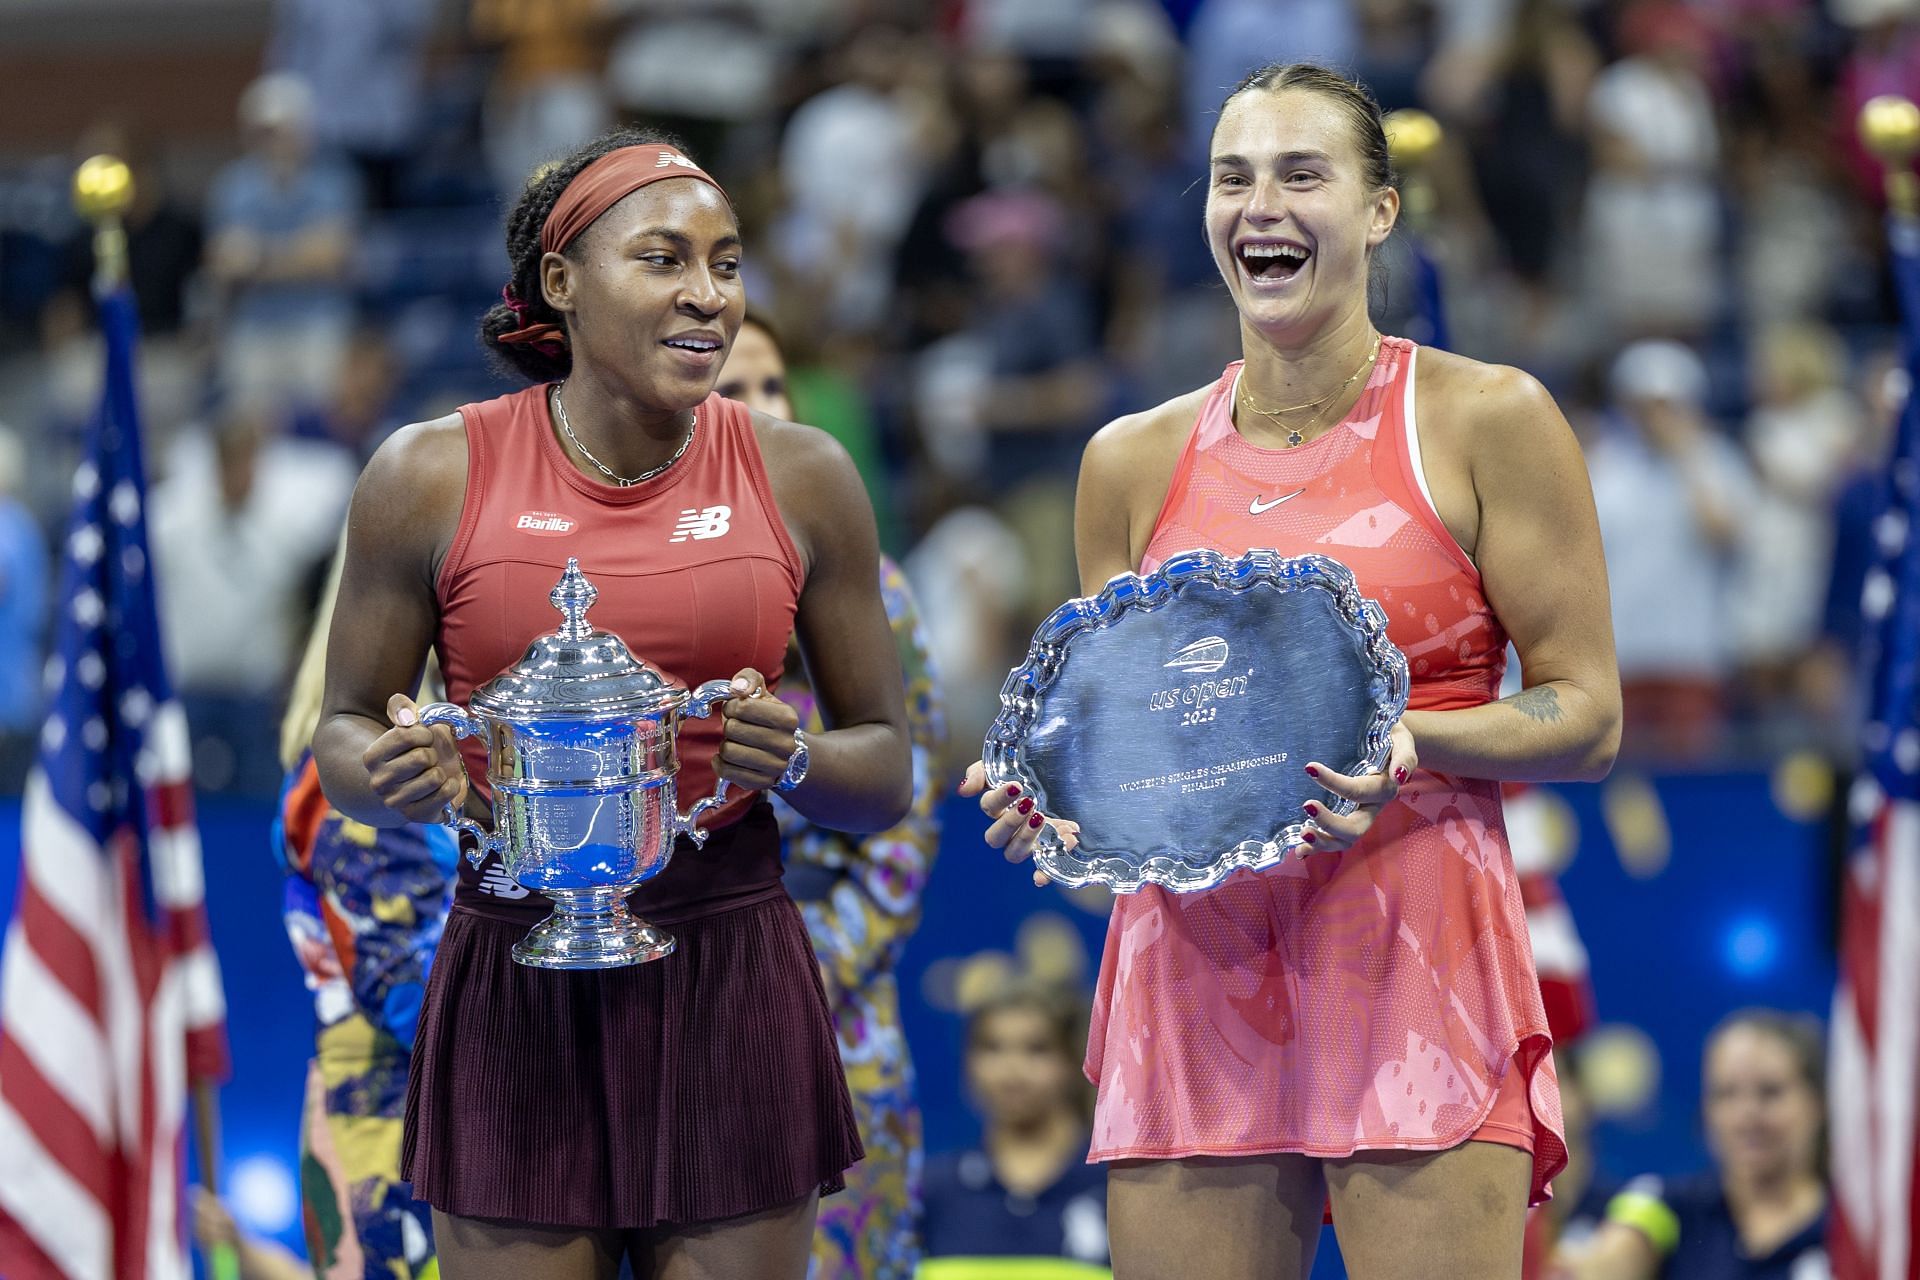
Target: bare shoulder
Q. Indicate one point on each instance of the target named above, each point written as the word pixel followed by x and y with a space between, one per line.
pixel 411 490
pixel 420 453
pixel 1142 448
pixel 1482 407
pixel 816 487
pixel 794 444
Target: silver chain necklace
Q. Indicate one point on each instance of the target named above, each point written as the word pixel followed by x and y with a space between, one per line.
pixel 625 482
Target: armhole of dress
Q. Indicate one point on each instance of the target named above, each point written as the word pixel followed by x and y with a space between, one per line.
pixel 470 418
pixel 1427 512
pixel 763 490
pixel 1177 482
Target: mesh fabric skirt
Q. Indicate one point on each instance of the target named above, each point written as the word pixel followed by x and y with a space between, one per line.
pixel 702 1086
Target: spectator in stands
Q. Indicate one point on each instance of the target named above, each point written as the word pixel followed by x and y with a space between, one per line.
pixel 547 96
pixel 1653 220
pixel 1672 493
pixel 280 251
pixel 1039 387
pixel 364 61
pixel 1027 1189
pixel 238 529
pixel 1801 439
pixel 851 162
pixel 359 411
pixel 1761 1213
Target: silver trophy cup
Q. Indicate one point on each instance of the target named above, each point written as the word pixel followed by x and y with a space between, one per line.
pixel 581 756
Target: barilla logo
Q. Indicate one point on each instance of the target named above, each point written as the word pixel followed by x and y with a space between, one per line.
pixel 1202 657
pixel 547 524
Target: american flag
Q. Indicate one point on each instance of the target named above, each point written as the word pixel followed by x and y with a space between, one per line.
pixel 1874 1076
pixel 110 1000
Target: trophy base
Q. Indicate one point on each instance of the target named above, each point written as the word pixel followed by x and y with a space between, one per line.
pixel 591 929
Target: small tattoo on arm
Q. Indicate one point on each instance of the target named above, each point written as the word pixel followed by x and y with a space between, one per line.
pixel 1539 703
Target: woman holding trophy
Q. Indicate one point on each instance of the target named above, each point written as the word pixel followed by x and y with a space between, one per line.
pixel 1361 1023
pixel 682 1115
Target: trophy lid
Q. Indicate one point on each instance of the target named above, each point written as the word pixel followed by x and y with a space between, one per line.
pixel 576 672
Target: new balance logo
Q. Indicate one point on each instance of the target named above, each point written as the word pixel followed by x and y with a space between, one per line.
pixel 547 524
pixel 700 525
pixel 674 157
pixel 1257 507
pixel 497 883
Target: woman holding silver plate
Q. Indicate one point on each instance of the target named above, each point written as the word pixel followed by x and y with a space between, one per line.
pixel 1360 1025
pixel 682 1115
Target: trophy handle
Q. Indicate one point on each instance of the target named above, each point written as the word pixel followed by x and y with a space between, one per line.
pixel 464 725
pixel 707 697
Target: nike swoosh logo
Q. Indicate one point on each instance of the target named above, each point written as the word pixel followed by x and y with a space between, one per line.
pixel 1257 507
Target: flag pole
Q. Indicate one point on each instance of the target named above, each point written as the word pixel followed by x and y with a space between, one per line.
pixel 102 192
pixel 1875 1025
pixel 1412 139
pixel 1890 128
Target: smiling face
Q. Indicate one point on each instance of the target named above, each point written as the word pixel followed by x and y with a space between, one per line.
pixel 1763 1115
pixel 1018 1069
pixel 755 374
pixel 652 292
pixel 1291 212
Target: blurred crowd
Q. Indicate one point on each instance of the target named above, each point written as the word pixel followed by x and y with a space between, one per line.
pixel 977 222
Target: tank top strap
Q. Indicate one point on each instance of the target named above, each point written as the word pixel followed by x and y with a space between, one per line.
pixel 1214 420
pixel 1397 464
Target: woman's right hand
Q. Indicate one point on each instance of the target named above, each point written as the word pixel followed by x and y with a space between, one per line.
pixel 1017 823
pixel 415 769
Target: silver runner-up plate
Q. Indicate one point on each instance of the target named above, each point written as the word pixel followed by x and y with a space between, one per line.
pixel 1172 716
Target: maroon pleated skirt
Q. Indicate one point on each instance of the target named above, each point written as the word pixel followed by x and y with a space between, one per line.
pixel 698 1087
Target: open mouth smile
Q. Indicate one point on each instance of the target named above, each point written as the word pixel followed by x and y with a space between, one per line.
pixel 1271 261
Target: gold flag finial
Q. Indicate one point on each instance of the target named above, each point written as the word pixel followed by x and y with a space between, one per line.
pixel 102 192
pixel 1890 128
pixel 1412 138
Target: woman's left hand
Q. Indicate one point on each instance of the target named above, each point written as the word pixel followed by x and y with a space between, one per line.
pixel 758 739
pixel 1329 832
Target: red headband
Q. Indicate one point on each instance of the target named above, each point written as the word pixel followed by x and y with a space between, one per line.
pixel 608 181
pixel 593 191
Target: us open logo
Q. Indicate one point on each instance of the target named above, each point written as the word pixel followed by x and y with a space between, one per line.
pixel 545 524
pixel 1202 657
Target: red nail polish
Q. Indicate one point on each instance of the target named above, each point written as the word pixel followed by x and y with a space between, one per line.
pixel 1013 789
pixel 1025 806
pixel 1309 837
pixel 1312 772
pixel 1400 775
pixel 1036 822
pixel 1312 808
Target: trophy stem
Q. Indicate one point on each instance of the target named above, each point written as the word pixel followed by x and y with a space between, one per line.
pixel 591 929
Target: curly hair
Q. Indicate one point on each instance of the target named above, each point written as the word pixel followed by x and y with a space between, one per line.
pixel 523 255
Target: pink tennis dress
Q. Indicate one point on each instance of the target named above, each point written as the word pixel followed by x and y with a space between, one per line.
pixel 1367 1000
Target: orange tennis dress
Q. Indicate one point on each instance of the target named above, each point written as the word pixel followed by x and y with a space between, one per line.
pixel 1383 998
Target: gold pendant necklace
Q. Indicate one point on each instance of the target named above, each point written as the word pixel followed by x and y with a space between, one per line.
pixel 1294 437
